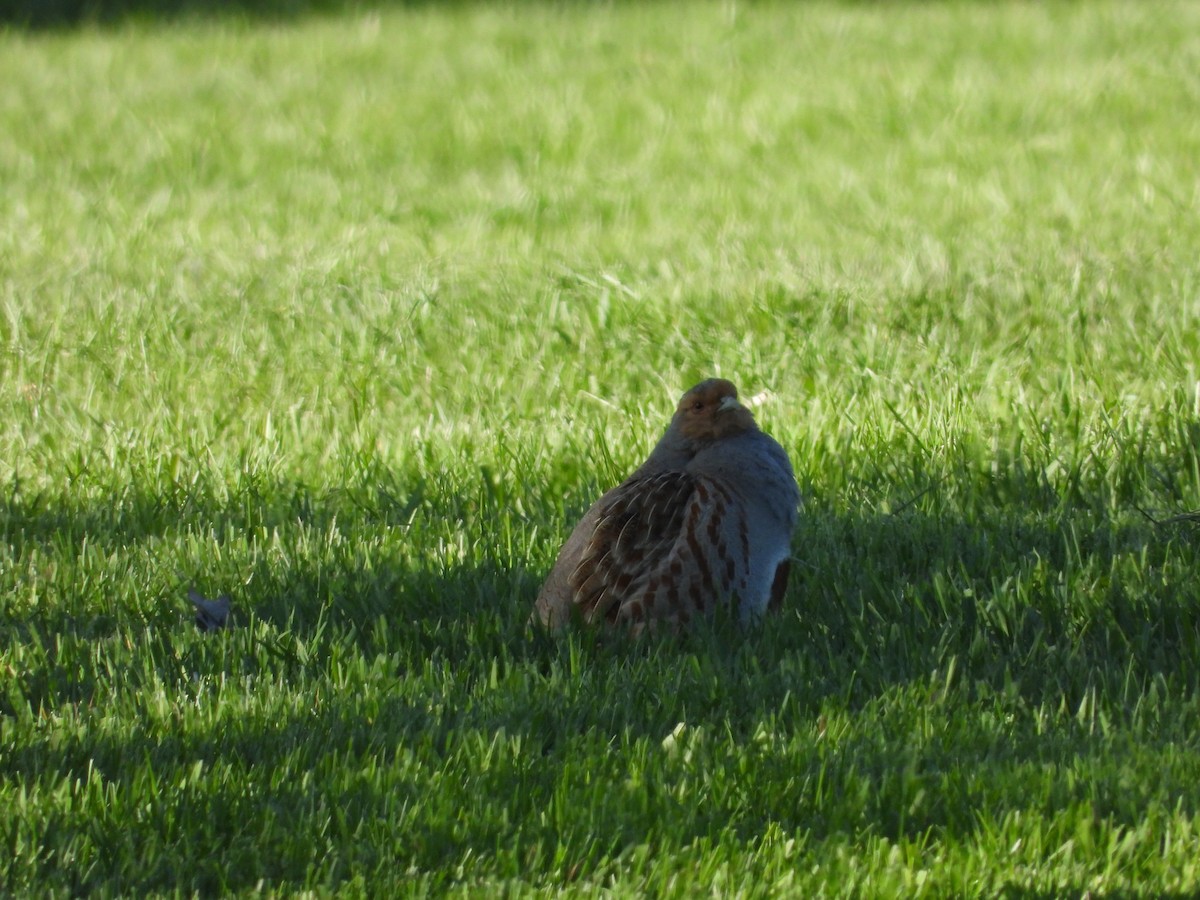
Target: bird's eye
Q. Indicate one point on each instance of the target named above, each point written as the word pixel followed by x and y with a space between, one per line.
pixel 697 405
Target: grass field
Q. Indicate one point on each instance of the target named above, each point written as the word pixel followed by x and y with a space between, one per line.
pixel 351 316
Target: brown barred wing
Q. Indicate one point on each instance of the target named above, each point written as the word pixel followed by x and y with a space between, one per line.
pixel 635 531
pixel 665 549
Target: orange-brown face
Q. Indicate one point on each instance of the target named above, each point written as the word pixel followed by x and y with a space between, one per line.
pixel 710 411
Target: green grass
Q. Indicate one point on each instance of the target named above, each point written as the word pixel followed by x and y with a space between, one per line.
pixel 351 316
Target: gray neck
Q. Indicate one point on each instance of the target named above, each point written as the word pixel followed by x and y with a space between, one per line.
pixel 671 454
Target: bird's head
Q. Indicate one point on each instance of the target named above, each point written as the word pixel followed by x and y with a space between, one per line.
pixel 710 411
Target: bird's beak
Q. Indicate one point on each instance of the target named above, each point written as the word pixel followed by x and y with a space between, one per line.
pixel 728 403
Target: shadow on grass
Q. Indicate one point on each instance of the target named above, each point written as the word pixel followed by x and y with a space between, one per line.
pixel 61 14
pixel 1045 604
pixel 932 630
pixel 1044 607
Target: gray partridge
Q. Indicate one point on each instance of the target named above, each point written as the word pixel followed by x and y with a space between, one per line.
pixel 706 519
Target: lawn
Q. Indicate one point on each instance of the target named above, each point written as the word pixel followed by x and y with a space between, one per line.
pixel 350 316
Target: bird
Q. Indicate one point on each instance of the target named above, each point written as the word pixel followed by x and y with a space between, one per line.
pixel 706 520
